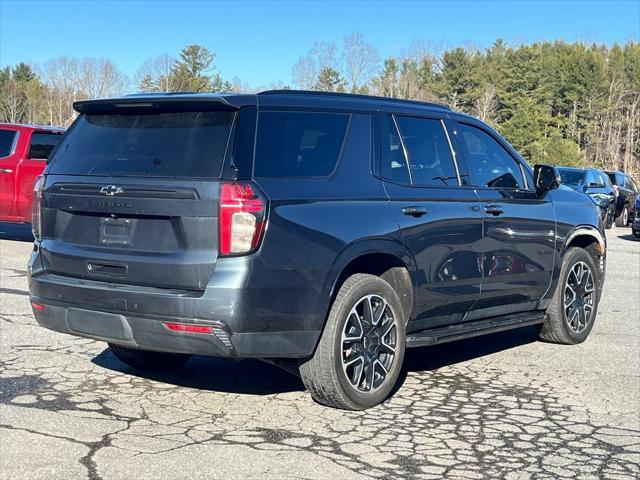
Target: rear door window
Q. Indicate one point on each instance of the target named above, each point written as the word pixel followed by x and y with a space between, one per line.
pixel 165 144
pixel 7 141
pixel 602 180
pixel 393 164
pixel 489 163
pixel 428 151
pixel 42 143
pixel 299 144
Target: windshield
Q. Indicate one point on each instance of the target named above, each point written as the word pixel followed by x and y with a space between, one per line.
pixel 571 177
pixel 166 144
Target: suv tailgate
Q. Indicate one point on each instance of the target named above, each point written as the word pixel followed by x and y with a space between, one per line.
pixel 132 197
pixel 155 234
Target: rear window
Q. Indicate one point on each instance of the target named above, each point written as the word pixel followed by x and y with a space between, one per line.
pixel 167 144
pixel 299 144
pixel 7 138
pixel 42 143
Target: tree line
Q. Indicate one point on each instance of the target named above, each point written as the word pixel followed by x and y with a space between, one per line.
pixel 556 102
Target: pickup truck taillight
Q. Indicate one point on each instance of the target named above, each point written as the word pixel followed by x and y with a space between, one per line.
pixel 242 216
pixel 36 208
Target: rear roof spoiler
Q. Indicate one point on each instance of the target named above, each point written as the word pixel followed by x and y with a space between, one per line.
pixel 166 101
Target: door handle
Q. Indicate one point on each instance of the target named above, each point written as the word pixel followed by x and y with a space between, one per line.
pixel 494 210
pixel 6 170
pixel 414 211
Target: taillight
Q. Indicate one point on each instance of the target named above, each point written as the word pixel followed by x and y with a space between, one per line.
pixel 241 218
pixel 36 208
pixel 187 328
pixel 38 306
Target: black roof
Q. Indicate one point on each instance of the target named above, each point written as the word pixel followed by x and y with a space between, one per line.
pixel 355 96
pixel 289 98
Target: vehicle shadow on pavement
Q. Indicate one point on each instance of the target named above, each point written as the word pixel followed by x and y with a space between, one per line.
pixel 247 376
pixel 446 354
pixel 627 236
pixel 254 377
pixel 16 231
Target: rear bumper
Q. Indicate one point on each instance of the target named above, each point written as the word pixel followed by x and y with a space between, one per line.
pixel 134 316
pixel 150 334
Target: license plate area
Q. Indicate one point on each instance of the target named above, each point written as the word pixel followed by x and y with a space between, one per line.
pixel 116 231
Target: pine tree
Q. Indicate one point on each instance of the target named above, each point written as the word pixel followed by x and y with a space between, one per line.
pixel 191 70
pixel 147 84
pixel 329 80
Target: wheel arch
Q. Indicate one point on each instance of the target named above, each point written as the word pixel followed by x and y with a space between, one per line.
pixel 384 258
pixel 585 236
pixel 590 239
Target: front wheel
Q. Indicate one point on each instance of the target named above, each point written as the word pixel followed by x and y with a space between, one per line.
pixel 573 309
pixel 359 356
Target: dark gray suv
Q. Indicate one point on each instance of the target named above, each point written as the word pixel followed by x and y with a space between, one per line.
pixel 322 232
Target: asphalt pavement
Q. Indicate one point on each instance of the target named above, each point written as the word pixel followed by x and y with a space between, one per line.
pixel 500 406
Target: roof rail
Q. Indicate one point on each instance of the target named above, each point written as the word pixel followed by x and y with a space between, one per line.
pixel 355 96
pixel 147 94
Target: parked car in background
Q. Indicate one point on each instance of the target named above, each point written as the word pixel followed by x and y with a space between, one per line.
pixel 627 192
pixel 23 153
pixel 594 183
pixel 635 226
pixel 320 231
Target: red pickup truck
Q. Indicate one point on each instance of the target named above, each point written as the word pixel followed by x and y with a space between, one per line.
pixel 23 153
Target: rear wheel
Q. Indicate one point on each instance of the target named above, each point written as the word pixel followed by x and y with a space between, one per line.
pixel 623 218
pixel 358 359
pixel 574 306
pixel 148 360
pixel 610 218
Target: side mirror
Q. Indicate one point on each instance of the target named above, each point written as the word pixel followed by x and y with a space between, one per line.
pixel 545 178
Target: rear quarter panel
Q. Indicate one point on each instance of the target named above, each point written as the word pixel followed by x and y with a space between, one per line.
pixel 315 226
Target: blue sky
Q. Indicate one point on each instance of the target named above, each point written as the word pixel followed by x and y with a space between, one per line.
pixel 260 41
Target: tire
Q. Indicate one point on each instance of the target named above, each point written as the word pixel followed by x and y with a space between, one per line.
pixel 349 374
pixel 623 218
pixel 561 324
pixel 148 360
pixel 609 222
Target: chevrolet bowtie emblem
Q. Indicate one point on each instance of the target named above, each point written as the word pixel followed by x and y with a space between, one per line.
pixel 111 190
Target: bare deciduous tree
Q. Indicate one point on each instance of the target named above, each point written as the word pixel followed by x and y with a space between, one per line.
pixel 321 56
pixel 13 102
pixel 360 61
pixel 304 73
pixel 99 78
pixel 486 103
pixel 60 74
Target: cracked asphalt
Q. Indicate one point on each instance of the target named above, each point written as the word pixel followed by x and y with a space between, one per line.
pixel 502 406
